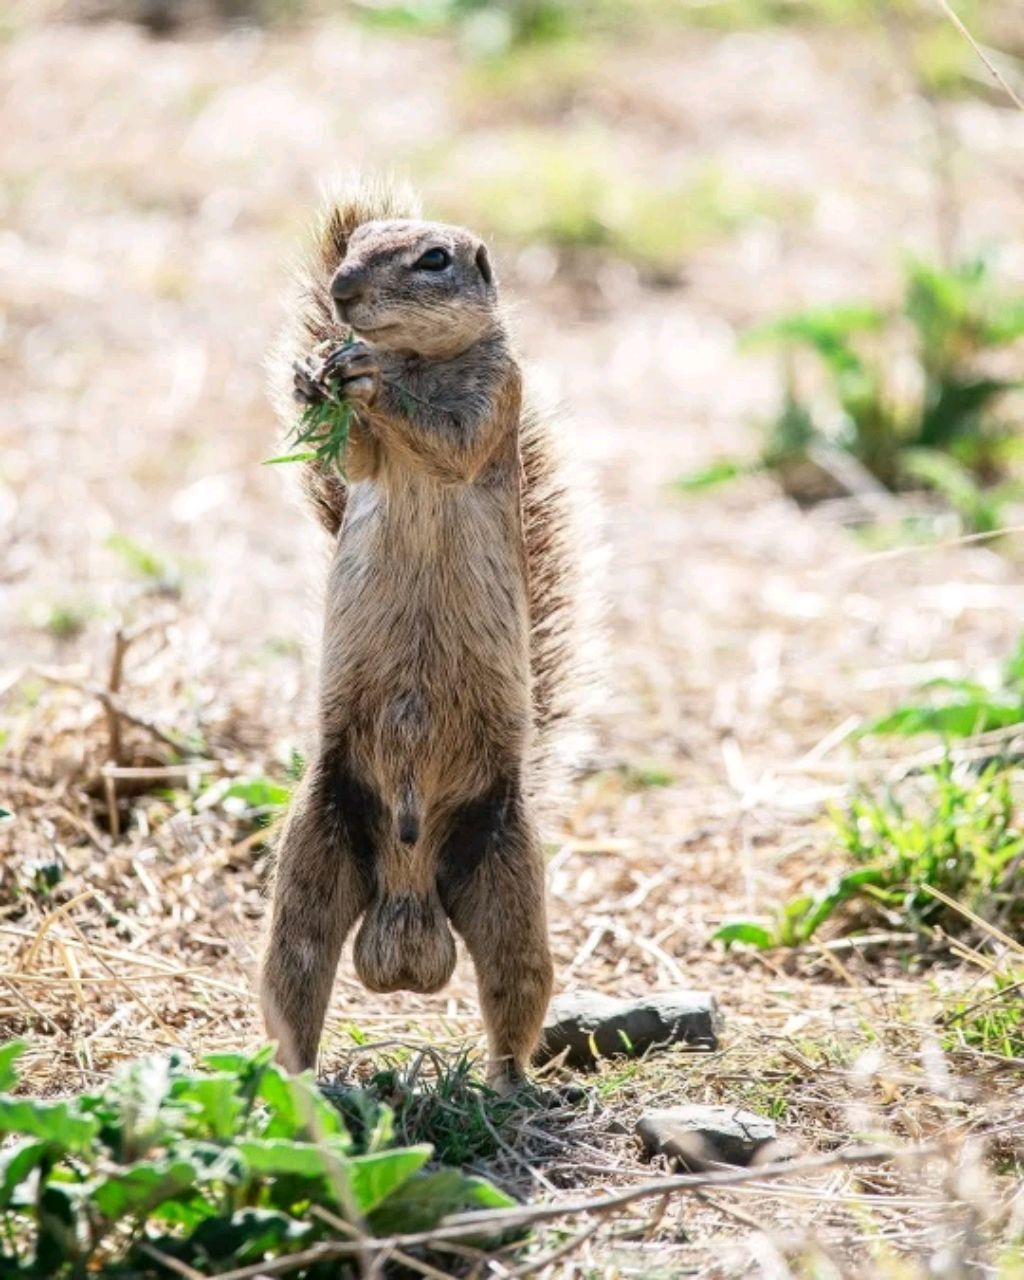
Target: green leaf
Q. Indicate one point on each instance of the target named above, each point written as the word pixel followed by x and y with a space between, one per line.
pixel 755 935
pixel 56 1122
pixel 373 1178
pixel 57 1241
pixel 6 815
pixel 9 1054
pixel 714 474
pixel 283 1156
pixel 847 886
pixel 16 1165
pixel 297 1108
pixel 957 720
pixel 143 1186
pixel 218 1108
pixel 247 1236
pixel 307 456
pixel 426 1198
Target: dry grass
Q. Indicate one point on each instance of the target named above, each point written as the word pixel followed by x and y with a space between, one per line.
pixel 151 193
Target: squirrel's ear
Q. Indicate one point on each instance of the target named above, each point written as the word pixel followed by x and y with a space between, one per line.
pixel 483 263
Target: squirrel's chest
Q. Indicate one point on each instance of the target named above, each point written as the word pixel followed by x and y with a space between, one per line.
pixel 434 576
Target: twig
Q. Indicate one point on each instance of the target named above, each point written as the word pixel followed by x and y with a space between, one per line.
pixel 958 22
pixel 172 1264
pixel 563 1250
pixel 109 702
pixel 496 1221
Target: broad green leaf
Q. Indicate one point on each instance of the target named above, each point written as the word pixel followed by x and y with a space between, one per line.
pixel 218 1106
pixel 373 1178
pixel 248 1236
pixel 17 1164
pixel 270 1157
pixel 143 1186
pixel 58 1123
pixel 246 1065
pixel 755 935
pixel 297 1108
pixel 426 1198
pixel 956 720
pixel 9 1054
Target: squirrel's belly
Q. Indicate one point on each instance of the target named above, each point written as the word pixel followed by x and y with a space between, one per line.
pixel 427 656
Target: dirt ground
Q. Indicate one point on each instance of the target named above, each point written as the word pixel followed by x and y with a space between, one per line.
pixel 151 193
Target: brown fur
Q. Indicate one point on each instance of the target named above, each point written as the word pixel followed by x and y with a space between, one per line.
pixel 447 642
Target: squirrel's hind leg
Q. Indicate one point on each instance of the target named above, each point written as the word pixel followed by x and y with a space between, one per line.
pixel 322 884
pixel 491 881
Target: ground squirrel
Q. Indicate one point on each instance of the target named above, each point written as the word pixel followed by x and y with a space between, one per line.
pixel 448 642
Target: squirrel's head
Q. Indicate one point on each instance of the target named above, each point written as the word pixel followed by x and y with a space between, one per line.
pixel 416 286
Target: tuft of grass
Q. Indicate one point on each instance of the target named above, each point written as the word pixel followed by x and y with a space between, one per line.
pixel 439 1100
pixel 957 833
pixel 990 1021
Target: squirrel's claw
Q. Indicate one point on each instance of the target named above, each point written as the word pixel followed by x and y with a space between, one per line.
pixel 306 387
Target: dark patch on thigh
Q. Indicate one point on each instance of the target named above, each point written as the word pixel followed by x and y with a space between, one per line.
pixel 353 806
pixel 475 831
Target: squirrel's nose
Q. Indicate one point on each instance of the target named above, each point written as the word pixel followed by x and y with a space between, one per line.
pixel 347 287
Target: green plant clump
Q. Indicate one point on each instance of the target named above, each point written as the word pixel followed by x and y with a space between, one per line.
pixel 907 394
pixel 212 1169
pixel 960 837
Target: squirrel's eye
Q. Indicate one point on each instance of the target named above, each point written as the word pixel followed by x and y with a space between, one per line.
pixel 433 260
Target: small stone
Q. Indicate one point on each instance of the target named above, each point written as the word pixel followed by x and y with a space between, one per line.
pixel 698 1138
pixel 587 1026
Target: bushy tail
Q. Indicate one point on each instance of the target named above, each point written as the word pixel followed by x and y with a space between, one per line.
pixel 564 601
pixel 310 317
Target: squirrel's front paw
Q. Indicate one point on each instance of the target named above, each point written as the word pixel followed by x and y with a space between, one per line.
pixel 306 385
pixel 350 370
pixel 355 368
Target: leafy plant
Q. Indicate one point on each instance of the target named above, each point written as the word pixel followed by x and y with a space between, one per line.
pixel 959 708
pixel 959 835
pixel 906 393
pixel 212 1169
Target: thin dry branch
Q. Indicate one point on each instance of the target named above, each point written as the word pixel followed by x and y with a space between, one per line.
pixel 958 22
pixel 468 1225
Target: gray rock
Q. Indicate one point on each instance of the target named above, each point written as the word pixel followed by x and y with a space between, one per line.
pixel 701 1137
pixel 587 1026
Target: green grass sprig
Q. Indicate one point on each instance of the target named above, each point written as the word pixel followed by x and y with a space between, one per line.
pixel 324 429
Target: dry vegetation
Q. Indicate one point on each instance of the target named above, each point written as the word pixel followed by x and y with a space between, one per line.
pixel 156 612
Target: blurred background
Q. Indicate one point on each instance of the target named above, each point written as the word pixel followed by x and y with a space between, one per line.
pixel 769 257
